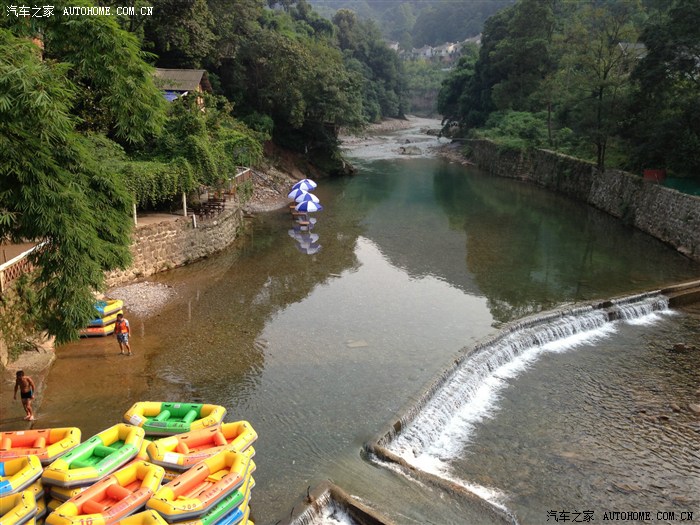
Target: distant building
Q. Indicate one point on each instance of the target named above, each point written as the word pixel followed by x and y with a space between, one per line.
pixel 448 52
pixel 176 83
pixel 633 49
pixel 392 45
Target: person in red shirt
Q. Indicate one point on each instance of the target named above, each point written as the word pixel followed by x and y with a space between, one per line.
pixel 122 331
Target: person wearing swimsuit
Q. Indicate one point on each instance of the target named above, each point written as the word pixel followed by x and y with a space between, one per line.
pixel 26 387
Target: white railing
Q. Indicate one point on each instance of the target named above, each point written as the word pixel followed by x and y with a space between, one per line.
pixel 16 268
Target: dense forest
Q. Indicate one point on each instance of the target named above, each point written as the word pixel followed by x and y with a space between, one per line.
pixel 85 132
pixel 415 23
pixel 616 82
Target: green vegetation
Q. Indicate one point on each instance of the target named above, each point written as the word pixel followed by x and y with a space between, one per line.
pixel 423 81
pixel 85 133
pixel 611 82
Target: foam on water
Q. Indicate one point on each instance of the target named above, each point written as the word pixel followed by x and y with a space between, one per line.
pixel 438 430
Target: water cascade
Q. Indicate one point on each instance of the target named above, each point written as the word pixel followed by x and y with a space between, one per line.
pixel 438 426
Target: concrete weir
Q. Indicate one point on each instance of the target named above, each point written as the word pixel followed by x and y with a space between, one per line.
pixel 408 439
pixel 405 437
pixel 328 499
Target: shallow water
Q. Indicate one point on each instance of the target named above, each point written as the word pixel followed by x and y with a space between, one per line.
pixel 418 258
pixel 595 427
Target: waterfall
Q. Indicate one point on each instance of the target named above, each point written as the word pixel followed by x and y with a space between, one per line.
pixel 438 426
pixel 313 513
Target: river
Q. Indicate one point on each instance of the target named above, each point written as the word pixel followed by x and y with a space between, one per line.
pixel 320 341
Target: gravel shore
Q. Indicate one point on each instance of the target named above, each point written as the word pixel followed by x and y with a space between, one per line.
pixel 144 298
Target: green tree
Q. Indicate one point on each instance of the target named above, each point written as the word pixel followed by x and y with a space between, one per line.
pixel 455 89
pixel 52 190
pixel 116 93
pixel 182 32
pixel 596 69
pixel 664 125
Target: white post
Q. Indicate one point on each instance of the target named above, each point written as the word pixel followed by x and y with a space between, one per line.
pixel 136 221
pixel 184 204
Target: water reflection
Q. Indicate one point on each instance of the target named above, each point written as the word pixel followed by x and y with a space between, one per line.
pixel 523 248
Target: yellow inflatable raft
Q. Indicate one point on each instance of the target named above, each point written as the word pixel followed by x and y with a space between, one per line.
pixel 65 493
pixel 147 517
pixel 47 444
pixel 197 490
pixel 110 307
pixel 106 320
pixel 97 331
pixel 111 498
pixel 18 509
pixel 182 451
pixel 18 474
pixel 165 419
pixel 230 510
pixel 97 457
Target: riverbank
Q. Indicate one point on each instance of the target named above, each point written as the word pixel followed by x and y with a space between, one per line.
pixel 664 213
pixel 145 298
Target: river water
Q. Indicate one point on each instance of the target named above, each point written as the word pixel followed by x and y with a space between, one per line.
pixel 321 341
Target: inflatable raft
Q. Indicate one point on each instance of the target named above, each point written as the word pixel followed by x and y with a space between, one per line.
pixel 19 474
pixel 97 331
pixel 147 517
pixel 112 498
pixel 199 489
pixel 46 444
pixel 18 509
pixel 165 419
pixel 182 451
pixel 107 308
pixel 97 457
pixel 64 493
pixel 106 320
pixel 230 510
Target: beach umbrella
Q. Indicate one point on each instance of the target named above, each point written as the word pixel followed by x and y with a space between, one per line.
pixel 305 184
pixel 309 250
pixel 306 196
pixel 296 193
pixel 308 207
pixel 303 237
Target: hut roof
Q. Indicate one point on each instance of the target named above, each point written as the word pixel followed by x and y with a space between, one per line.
pixel 178 79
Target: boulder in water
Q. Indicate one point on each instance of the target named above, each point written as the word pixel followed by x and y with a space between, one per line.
pixel 410 150
pixel 682 347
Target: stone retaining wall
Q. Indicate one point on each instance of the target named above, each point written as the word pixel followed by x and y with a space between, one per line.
pixel 669 215
pixel 165 245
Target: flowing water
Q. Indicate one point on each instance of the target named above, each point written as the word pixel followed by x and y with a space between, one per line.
pixel 320 341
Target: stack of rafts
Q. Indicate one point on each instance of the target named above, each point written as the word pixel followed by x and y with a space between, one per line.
pixel 304 204
pixel 117 475
pixel 104 324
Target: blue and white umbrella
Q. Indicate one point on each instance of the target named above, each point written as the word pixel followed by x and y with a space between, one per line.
pixel 306 196
pixel 309 250
pixel 303 237
pixel 305 184
pixel 308 206
pixel 296 193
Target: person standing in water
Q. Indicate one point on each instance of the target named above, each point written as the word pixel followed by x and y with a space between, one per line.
pixel 26 389
pixel 122 331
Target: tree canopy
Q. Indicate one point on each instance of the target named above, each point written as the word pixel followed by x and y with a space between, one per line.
pixel 53 191
pixel 614 82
